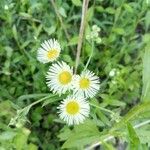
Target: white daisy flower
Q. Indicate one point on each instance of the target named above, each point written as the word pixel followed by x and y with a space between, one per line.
pixel 59 77
pixel 87 84
pixel 74 110
pixel 49 51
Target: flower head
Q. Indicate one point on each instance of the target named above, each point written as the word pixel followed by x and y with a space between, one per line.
pixel 49 51
pixel 59 77
pixel 87 84
pixel 74 110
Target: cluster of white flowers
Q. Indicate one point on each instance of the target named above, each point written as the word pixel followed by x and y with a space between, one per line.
pixel 94 34
pixel 61 79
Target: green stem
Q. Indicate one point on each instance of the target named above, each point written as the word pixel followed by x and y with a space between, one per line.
pixel 135 111
pixel 90 56
pixel 27 108
pixel 24 111
pixel 104 109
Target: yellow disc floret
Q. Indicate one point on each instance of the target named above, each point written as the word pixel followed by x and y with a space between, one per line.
pixel 65 77
pixel 52 54
pixel 72 108
pixel 84 83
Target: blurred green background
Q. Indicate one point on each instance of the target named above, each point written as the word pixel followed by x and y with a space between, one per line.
pixel 24 24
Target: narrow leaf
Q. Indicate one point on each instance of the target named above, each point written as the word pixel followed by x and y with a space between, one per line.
pixel 146 74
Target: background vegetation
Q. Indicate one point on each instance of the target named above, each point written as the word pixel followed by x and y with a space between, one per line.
pixel 125 46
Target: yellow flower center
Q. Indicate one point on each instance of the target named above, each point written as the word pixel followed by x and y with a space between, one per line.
pixel 72 108
pixel 52 53
pixel 65 77
pixel 84 83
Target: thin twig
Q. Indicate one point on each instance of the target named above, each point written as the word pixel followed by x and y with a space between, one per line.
pixel 81 32
pixel 111 137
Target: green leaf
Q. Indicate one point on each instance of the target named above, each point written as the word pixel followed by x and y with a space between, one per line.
pixel 119 31
pixel 73 40
pixel 65 134
pixel 82 135
pixel 20 140
pixel 146 74
pixel 110 10
pixel 62 12
pixel 14 30
pixel 90 13
pixel 107 146
pixel 6 109
pixel 132 114
pixel 29 96
pixel 128 8
pixel 50 30
pixel 147 20
pixel 51 100
pixel 144 136
pixel 25 15
pixel 77 2
pixel 133 138
pixel 7 135
pixel 32 147
pixel 99 9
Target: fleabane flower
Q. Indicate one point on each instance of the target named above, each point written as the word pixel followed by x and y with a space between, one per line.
pixel 59 77
pixel 87 84
pixel 49 51
pixel 74 110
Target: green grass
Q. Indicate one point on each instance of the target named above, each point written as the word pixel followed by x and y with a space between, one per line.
pixel 125 28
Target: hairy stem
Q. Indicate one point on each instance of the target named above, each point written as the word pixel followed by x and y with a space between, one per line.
pixel 81 32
